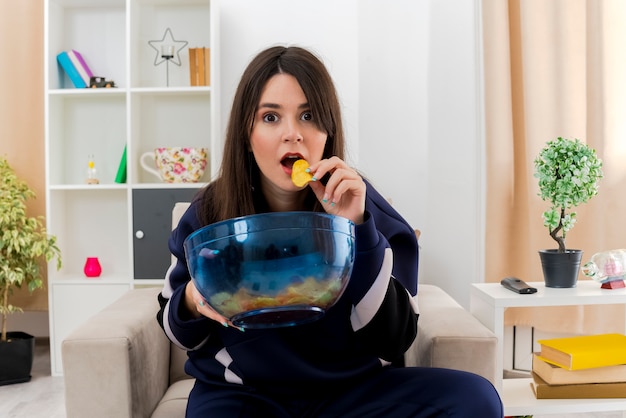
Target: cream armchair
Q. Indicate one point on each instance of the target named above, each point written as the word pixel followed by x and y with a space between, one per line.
pixel 120 364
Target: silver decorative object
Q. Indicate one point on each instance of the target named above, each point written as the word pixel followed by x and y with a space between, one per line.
pixel 167 49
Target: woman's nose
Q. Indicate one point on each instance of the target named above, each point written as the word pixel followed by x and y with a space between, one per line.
pixel 292 133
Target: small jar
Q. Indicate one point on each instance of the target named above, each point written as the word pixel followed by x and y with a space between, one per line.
pixel 606 265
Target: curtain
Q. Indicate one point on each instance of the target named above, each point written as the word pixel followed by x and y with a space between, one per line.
pixel 553 68
pixel 22 110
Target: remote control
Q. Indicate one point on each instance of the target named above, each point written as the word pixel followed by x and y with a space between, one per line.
pixel 518 286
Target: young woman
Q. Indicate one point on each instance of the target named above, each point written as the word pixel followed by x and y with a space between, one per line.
pixel 286 108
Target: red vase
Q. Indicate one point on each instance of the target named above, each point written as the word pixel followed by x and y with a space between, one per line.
pixel 92 267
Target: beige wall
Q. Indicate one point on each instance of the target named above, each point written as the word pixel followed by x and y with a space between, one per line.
pixel 22 106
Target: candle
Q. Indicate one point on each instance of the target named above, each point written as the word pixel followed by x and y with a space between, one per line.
pixel 167 51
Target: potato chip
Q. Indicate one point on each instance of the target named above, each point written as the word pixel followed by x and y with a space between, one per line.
pixel 299 176
pixel 310 292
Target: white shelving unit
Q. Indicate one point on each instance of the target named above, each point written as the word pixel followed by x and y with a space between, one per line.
pixel 143 112
pixel 489 301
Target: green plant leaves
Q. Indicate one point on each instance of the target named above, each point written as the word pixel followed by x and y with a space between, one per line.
pixel 24 242
pixel 569 172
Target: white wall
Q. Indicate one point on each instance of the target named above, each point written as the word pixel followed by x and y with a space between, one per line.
pixel 408 76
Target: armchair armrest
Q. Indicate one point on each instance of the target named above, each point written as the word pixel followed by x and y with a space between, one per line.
pixel 449 336
pixel 116 364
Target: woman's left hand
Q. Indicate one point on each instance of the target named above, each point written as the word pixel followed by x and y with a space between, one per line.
pixel 344 193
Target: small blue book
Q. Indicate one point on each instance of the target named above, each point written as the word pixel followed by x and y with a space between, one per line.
pixel 70 70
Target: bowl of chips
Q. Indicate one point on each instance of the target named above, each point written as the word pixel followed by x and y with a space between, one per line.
pixel 274 269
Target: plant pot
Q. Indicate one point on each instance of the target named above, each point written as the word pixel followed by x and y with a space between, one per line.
pixel 560 269
pixel 16 358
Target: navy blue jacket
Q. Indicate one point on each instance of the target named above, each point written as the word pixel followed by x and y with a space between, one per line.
pixel 373 323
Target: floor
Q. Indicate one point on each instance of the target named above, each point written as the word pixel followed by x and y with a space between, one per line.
pixel 43 396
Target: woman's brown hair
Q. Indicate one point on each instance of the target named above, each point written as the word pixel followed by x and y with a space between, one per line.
pixel 232 192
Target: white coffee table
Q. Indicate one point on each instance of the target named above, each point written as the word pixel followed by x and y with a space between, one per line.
pixel 489 301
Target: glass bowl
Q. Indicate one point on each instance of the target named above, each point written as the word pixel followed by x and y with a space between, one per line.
pixel 274 269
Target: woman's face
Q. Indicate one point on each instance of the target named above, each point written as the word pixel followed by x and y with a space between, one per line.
pixel 284 131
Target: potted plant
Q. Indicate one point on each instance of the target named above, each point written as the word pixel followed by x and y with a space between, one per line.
pixel 24 245
pixel 568 172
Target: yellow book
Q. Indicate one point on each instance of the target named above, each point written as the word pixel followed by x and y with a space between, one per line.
pixel 200 66
pixel 207 66
pixel 584 352
pixel 193 67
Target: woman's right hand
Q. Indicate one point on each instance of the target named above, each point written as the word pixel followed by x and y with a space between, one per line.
pixel 197 306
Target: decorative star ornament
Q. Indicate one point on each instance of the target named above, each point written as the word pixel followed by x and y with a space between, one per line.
pixel 167 41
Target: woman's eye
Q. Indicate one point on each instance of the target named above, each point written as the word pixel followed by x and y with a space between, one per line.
pixel 270 117
pixel 307 116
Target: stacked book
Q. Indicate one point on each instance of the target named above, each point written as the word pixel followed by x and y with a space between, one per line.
pixel 200 66
pixel 584 367
pixel 75 67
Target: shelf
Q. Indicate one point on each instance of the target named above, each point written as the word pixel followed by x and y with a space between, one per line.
pixel 125 225
pixel 168 186
pixel 488 303
pixel 117 91
pixel 187 21
pixel 178 3
pixel 519 399
pixel 84 125
pixel 71 92
pixel 79 279
pixel 87 187
pixel 95 28
pixel 586 292
pixel 88 3
pixel 168 120
pixel 90 223
pixel 173 91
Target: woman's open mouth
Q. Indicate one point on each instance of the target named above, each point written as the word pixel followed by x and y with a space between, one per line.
pixel 288 160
